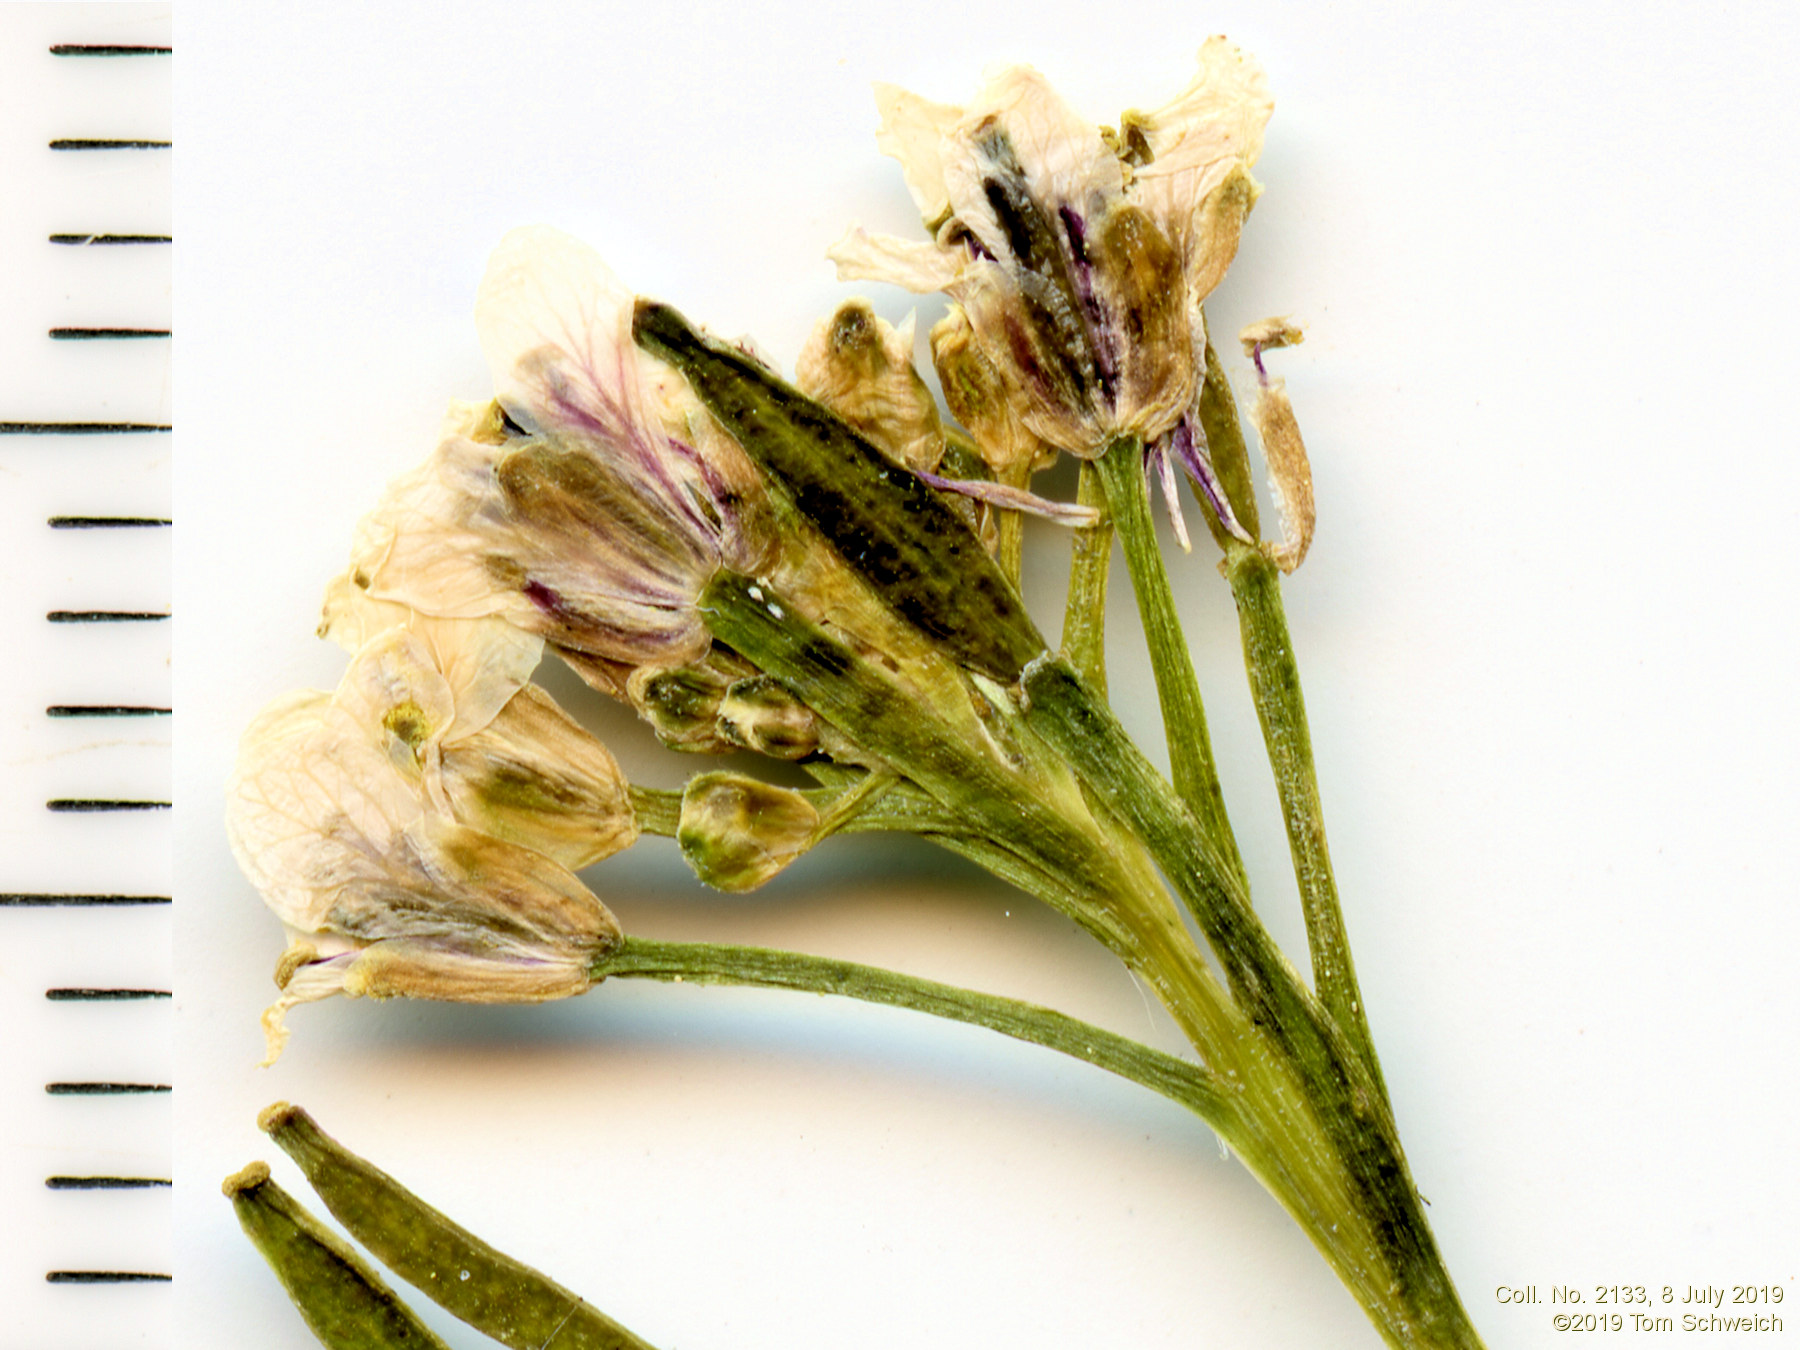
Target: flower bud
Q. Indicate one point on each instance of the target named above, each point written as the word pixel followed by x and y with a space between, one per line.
pixel 738 832
pixel 762 714
pixel 860 366
pixel 682 705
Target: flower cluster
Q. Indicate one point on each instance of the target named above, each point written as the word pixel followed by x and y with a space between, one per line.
pixel 418 830
pixel 827 573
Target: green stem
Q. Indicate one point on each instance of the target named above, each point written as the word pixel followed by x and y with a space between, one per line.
pixel 1306 1117
pixel 658 810
pixel 1280 707
pixel 763 968
pixel 1196 779
pixel 1413 1300
pixel 1011 526
pixel 1090 560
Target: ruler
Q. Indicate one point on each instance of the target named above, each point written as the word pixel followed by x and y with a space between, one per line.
pixel 85 715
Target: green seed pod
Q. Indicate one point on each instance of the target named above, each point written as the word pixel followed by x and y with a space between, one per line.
pixel 347 1305
pixel 738 832
pixel 761 714
pixel 493 1293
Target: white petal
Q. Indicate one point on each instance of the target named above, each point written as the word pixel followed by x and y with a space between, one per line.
pixel 485 661
pixel 394 670
pixel 417 547
pixel 1208 133
pixel 555 325
pixel 919 267
pixel 1065 163
pixel 312 807
pixel 913 131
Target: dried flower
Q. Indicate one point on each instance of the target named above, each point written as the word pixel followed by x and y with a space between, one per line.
pixel 1078 258
pixel 416 845
pixel 590 502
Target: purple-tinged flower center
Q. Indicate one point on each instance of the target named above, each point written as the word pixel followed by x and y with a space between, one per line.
pixel 1100 334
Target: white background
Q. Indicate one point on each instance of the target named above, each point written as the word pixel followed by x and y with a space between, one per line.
pixel 1545 260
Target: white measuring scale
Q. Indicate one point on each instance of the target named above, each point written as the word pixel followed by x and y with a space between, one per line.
pixel 85 715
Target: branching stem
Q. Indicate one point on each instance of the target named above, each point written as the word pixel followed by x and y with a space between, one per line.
pixel 764 968
pixel 1090 561
pixel 1275 687
pixel 1196 778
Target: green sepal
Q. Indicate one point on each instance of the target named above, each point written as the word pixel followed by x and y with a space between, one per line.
pixel 493 1293
pixel 347 1305
pixel 888 525
pixel 1226 449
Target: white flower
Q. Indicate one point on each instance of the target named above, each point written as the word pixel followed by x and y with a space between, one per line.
pixel 414 830
pixel 1078 259
pixel 590 502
